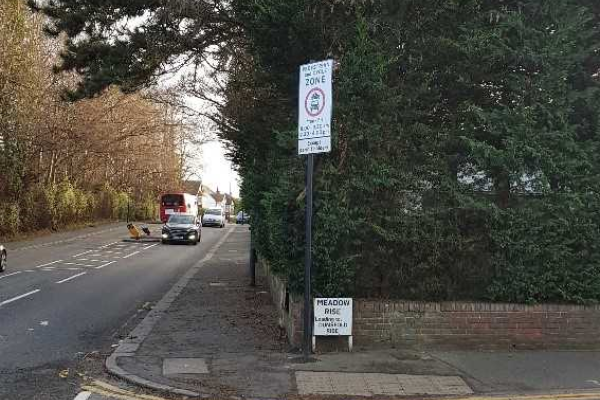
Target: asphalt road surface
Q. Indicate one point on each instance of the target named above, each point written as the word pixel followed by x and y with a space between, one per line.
pixel 66 299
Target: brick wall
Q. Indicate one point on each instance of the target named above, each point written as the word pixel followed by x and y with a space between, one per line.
pixel 460 325
pixel 452 325
pixel 289 310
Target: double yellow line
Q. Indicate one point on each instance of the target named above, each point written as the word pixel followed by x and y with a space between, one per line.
pixel 105 389
pixel 583 395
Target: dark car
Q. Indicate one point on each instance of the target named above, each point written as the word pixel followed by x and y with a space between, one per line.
pixel 242 218
pixel 182 228
pixel 3 257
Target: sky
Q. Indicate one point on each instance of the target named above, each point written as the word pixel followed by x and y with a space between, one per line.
pixel 217 170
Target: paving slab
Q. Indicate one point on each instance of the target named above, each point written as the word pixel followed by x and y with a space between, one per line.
pixel 374 384
pixel 173 366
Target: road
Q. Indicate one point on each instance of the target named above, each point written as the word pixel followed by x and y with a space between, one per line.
pixel 65 300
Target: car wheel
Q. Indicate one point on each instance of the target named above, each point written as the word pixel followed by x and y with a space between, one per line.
pixel 2 261
pixel 164 241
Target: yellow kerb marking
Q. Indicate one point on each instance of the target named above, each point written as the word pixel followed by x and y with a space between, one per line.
pixel 99 387
pixel 556 396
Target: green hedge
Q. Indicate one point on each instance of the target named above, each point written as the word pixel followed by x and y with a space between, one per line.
pixel 465 148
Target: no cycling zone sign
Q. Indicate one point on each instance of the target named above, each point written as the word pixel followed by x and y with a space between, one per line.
pixel 314 108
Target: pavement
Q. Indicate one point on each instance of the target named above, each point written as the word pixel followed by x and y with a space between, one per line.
pixel 214 336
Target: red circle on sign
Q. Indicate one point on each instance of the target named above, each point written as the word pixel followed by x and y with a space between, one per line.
pixel 313 107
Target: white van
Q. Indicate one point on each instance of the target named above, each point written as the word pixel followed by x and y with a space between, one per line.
pixel 214 217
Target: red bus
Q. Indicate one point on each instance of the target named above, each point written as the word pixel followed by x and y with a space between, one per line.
pixel 177 203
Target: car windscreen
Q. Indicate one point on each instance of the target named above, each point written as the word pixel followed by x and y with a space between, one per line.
pixel 213 212
pixel 172 200
pixel 181 219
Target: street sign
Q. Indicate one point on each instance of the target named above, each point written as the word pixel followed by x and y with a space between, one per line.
pixel 333 317
pixel 314 136
pixel 314 108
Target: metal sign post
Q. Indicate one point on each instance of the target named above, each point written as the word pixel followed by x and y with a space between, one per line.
pixel 307 343
pixel 314 136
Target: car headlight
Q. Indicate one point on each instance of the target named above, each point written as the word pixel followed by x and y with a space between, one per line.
pixel 165 235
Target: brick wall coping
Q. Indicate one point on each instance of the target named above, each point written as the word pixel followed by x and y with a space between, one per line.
pixel 457 306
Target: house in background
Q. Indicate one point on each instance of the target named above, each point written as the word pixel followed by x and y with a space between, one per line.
pixel 193 187
pixel 208 198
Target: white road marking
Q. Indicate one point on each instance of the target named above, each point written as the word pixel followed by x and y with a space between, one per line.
pixel 106 265
pixel 50 263
pixel 83 396
pixel 110 244
pixel 13 274
pixel 132 254
pixel 152 245
pixel 80 254
pixel 78 264
pixel 19 297
pixel 72 277
pixel 91 260
pixel 44 323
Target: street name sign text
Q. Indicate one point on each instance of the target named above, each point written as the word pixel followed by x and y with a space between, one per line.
pixel 333 317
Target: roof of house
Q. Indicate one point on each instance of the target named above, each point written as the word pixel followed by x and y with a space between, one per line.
pixel 192 187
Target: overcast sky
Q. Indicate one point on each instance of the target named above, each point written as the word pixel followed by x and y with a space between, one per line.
pixel 217 169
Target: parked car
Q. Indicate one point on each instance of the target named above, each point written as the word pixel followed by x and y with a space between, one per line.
pixel 182 228
pixel 214 217
pixel 3 258
pixel 242 218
